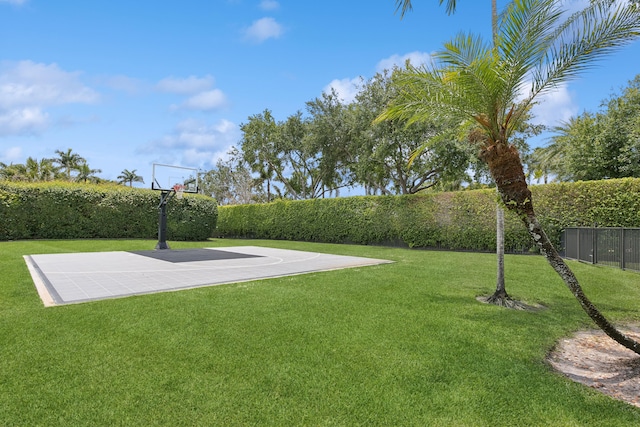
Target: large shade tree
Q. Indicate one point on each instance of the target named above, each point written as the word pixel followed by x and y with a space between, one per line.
pixel 380 150
pixel 309 156
pixel 230 182
pixel 260 147
pixel 330 133
pixel 538 47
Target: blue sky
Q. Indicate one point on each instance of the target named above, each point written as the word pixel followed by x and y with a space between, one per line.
pixel 129 83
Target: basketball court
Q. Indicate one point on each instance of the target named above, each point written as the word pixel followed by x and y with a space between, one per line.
pixel 80 277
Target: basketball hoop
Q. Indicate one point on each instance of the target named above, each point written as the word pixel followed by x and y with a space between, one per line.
pixel 179 190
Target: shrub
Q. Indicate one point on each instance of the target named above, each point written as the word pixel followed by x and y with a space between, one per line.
pixel 62 210
pixel 455 220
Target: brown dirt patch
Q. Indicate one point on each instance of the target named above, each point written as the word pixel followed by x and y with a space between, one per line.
pixel 594 359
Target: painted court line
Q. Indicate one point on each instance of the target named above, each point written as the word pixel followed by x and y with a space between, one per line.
pixel 90 276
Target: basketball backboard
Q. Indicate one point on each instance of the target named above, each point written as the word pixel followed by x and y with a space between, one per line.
pixel 167 177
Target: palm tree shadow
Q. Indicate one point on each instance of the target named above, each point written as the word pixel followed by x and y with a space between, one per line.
pixel 510 303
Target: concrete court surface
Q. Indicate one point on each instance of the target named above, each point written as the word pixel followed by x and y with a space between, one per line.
pixel 90 276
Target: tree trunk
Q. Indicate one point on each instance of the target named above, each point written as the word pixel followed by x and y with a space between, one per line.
pixel 500 296
pixel 500 287
pixel 506 168
pixel 268 190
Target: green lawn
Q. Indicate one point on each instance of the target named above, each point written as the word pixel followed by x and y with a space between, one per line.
pixel 391 345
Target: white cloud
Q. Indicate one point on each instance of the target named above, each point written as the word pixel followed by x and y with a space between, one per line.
pixel 28 88
pixel 16 2
pixel 347 89
pixel 124 84
pixel 203 97
pixel 27 83
pixel 206 101
pixel 415 58
pixel 195 143
pixel 23 121
pixel 11 154
pixel 572 6
pixel 186 86
pixel 263 29
pixel 555 107
pixel 269 5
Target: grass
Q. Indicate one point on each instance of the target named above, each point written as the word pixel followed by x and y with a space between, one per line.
pixel 399 344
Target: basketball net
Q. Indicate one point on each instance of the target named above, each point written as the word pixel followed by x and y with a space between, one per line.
pixel 179 190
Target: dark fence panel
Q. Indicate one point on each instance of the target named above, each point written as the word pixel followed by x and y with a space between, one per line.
pixel 586 244
pixel 631 239
pixel 570 243
pixel 616 247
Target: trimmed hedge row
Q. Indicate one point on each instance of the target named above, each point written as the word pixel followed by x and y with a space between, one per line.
pixel 61 210
pixel 463 220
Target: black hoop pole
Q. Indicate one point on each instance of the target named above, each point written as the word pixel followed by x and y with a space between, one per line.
pixel 165 196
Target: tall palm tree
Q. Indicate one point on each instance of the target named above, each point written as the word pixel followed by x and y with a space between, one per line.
pixel 500 296
pixel 68 161
pixel 495 85
pixel 127 176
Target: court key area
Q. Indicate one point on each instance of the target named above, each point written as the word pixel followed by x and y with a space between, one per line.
pixel 90 276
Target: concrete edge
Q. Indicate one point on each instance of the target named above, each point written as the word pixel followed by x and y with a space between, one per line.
pixel 41 287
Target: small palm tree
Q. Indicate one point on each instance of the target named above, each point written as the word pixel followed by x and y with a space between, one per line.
pixel 127 176
pixel 500 296
pixel 43 170
pixel 13 172
pixel 68 161
pixel 47 170
pixel 85 173
pixel 32 169
pixel 496 84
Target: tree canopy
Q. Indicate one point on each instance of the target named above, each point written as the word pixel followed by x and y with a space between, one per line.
pixel 67 166
pixel 335 145
pixel 600 145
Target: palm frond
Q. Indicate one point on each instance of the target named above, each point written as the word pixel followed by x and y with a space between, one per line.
pixel 422 94
pixel 403 6
pixel 451 6
pixel 586 38
pixel 469 62
pixel 471 79
pixel 524 27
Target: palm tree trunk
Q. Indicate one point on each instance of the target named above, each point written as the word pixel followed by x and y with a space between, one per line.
pixel 506 168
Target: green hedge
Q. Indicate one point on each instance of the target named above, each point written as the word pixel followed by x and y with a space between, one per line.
pixel 456 220
pixel 61 210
